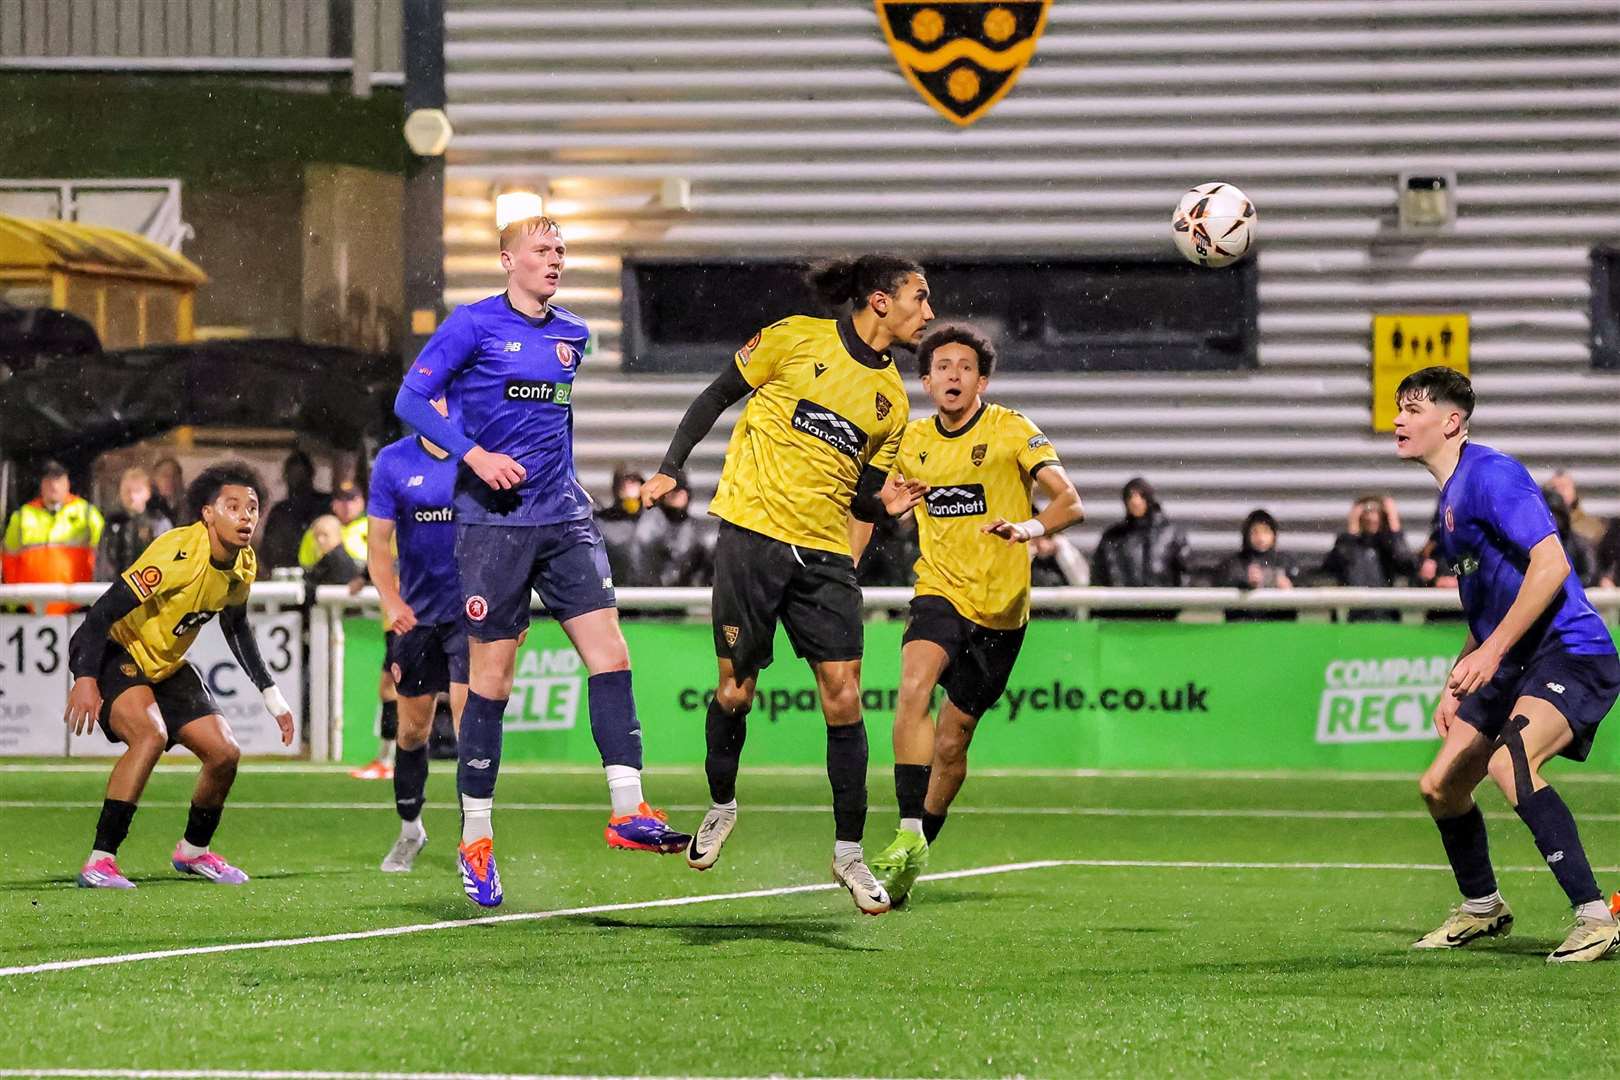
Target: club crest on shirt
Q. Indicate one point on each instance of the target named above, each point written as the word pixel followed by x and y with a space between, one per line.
pixel 746 353
pixel 565 354
pixel 477 608
pixel 978 453
pixel 1451 522
pixel 883 406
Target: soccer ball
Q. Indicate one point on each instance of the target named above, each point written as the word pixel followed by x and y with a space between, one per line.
pixel 1214 224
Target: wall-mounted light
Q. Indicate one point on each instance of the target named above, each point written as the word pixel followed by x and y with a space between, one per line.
pixel 513 206
pixel 1428 201
pixel 675 193
pixel 428 132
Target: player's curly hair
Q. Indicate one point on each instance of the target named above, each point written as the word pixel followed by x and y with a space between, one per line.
pixel 957 334
pixel 205 488
pixel 851 281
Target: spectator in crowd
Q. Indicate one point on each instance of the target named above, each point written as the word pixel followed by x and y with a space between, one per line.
pixel 1054 562
pixel 891 554
pixel 131 527
pixel 169 490
pixel 1608 556
pixel 1371 553
pixel 617 523
pixel 290 518
pixel 334 564
pixel 1258 564
pixel 671 548
pixel 1589 528
pixel 1146 549
pixel 52 539
pixel 348 505
pixel 1582 555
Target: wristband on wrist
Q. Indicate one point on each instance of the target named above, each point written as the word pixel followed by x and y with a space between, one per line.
pixel 274 702
pixel 1032 528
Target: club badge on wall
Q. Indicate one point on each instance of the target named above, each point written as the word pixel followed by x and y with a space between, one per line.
pixel 962 56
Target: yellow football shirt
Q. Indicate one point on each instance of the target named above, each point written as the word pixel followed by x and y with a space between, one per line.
pixel 180 589
pixel 975 474
pixel 824 407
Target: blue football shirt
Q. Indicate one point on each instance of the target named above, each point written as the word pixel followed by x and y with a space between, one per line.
pixel 415 490
pixel 510 380
pixel 1490 515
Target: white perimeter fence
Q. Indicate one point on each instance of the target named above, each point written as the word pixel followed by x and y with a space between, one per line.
pixel 303 645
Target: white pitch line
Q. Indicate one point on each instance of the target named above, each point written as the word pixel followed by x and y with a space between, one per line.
pixel 185 765
pixel 1262 813
pixel 490 920
pixel 751 894
pixel 295 1074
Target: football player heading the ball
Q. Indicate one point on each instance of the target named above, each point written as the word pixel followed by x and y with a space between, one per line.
pixel 801 485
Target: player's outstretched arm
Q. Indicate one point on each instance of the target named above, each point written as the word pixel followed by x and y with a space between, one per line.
pixel 1062 510
pixel 383 566
pixel 239 636
pixel 1543 581
pixel 86 649
pixel 726 390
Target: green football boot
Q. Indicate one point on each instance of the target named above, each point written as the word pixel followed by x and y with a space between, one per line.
pixel 898 865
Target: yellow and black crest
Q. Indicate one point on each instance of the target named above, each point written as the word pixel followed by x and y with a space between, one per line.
pixel 963 56
pixel 979 451
pixel 882 405
pixel 732 634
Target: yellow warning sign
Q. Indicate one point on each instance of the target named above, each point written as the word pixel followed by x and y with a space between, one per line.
pixel 1402 344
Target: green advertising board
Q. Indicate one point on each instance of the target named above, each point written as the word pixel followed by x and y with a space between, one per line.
pixel 1106 695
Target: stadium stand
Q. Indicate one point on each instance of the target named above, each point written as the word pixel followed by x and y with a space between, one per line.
pixel 1312 104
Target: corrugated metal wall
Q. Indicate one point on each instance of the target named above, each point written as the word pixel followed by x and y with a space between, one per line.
pixel 204 32
pixel 799 136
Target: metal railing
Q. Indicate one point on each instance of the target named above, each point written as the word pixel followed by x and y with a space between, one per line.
pixel 76 200
pixel 321 706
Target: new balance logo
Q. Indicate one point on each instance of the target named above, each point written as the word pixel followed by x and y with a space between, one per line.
pixel 1555 857
pixel 957 500
pixel 478 763
pixel 512 346
pixel 822 423
pixel 1557 688
pixel 415 481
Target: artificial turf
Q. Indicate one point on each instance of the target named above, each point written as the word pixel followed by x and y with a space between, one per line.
pixel 1164 965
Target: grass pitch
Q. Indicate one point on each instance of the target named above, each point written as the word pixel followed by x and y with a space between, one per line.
pixel 1193 926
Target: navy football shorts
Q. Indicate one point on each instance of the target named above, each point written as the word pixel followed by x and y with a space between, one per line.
pixel 427 658
pixel 1583 688
pixel 566 563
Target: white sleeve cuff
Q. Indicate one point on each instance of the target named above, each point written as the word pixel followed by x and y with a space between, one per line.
pixel 274 702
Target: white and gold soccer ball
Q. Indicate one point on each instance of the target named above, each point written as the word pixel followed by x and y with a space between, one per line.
pixel 1214 224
